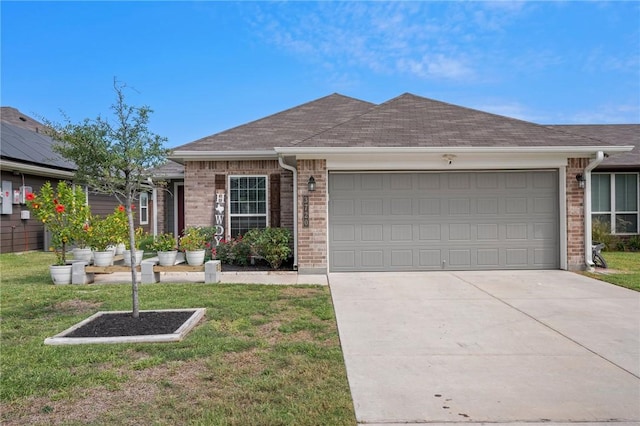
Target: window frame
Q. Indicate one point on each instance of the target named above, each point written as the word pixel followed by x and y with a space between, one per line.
pixel 613 212
pixel 232 215
pixel 144 208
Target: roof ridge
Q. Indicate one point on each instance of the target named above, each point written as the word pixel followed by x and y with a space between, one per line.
pixel 335 94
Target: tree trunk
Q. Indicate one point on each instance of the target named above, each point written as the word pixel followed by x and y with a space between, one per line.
pixel 132 252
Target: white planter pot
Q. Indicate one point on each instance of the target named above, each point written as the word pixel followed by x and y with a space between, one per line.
pixel 84 254
pixel 138 257
pixel 103 258
pixel 120 249
pixel 195 257
pixel 167 258
pixel 60 274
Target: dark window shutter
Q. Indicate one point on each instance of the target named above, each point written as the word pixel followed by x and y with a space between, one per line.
pixel 221 181
pixel 274 200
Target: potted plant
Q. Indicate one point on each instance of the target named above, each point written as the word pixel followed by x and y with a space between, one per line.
pixel 193 244
pixel 120 225
pixel 60 210
pixel 101 238
pixel 165 246
pixel 138 235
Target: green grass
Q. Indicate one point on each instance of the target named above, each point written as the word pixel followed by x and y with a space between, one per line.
pixel 627 265
pixel 267 355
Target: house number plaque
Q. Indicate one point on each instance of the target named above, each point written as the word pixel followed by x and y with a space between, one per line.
pixel 305 211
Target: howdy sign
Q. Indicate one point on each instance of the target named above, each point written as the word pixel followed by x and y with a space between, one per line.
pixel 219 216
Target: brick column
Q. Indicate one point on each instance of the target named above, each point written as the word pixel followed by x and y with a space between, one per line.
pixel 575 215
pixel 312 240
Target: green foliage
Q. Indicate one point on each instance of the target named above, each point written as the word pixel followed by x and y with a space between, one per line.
pixel 63 211
pixel 236 251
pixel 601 232
pixel 113 157
pixel 624 270
pixel 235 368
pixel 163 242
pixel 100 233
pixel 634 243
pixel 193 239
pixel 272 244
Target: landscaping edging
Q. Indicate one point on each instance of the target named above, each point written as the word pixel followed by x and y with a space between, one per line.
pixel 179 334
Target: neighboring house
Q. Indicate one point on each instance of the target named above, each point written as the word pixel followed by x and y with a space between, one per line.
pixel 27 162
pixel 616 181
pixel 409 184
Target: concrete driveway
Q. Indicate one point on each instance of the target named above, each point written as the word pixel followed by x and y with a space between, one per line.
pixel 499 346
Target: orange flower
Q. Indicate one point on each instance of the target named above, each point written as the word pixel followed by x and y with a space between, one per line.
pixel 59 208
pixel 120 208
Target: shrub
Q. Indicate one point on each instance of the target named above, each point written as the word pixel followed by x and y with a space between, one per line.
pixel 634 243
pixel 272 244
pixel 235 251
pixel 601 233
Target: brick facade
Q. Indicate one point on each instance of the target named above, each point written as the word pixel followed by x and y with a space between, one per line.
pixel 312 241
pixel 200 187
pixel 575 214
pixel 202 178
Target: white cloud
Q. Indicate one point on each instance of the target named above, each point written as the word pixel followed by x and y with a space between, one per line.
pixel 436 66
pixel 416 38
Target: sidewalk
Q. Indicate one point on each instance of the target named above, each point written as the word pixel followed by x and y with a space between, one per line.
pixel 258 277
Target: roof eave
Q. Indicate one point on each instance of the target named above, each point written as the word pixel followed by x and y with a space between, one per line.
pixel 567 150
pixel 31 169
pixel 182 156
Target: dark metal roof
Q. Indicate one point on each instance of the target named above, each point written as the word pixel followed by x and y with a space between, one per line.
pixel 27 146
pixel 286 128
pixel 615 134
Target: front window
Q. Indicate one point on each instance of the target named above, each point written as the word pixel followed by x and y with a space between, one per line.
pixel 247 203
pixel 614 201
pixel 144 208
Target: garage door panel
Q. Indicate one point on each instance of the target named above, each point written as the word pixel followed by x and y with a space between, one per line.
pixel 372 207
pixel 431 221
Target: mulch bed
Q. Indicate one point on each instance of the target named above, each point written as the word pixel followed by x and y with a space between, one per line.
pixel 123 324
pixel 259 265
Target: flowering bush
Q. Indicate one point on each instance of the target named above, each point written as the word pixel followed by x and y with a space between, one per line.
pixel 138 236
pixel 236 251
pixel 64 213
pixel 100 233
pixel 193 239
pixel 119 224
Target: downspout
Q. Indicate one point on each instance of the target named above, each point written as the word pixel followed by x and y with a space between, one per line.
pixel 154 197
pixel 293 170
pixel 588 259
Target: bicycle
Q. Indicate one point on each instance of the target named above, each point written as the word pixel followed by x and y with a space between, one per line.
pixel 596 256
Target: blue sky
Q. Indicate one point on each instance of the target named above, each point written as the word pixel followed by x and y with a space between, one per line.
pixel 204 67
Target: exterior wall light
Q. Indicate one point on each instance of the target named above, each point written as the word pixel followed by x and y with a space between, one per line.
pixel 311 184
pixel 580 178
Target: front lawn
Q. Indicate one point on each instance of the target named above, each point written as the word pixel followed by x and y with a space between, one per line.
pixel 623 269
pixel 263 355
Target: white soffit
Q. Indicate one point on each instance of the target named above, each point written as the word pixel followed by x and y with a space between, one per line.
pixel 441 158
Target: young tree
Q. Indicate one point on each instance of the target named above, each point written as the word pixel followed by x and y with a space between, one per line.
pixel 114 157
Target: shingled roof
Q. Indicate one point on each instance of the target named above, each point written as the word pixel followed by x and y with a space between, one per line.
pixel 407 121
pixel 615 134
pixel 414 121
pixel 286 128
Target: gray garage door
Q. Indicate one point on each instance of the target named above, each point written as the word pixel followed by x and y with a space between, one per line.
pixel 433 221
